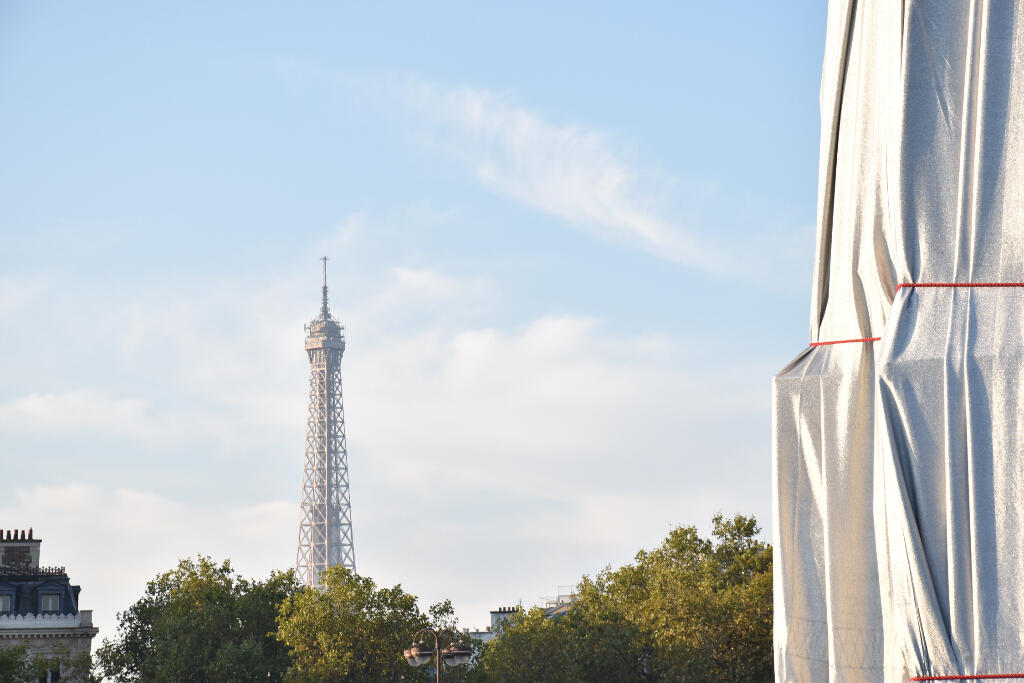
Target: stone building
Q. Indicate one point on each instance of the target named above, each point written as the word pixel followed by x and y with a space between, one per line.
pixel 38 604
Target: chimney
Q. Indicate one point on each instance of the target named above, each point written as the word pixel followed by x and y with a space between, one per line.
pixel 19 549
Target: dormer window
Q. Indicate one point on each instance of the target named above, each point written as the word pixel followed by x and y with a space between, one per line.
pixel 49 603
pixel 5 605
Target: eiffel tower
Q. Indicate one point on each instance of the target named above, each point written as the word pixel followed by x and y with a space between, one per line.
pixel 325 526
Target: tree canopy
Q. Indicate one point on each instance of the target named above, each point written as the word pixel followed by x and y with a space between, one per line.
pixel 693 609
pixel 349 631
pixel 200 622
pixel 353 630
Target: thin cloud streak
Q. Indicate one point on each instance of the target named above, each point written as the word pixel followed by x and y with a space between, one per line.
pixel 76 411
pixel 567 171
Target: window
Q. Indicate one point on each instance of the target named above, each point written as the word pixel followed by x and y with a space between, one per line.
pixel 5 604
pixel 51 674
pixel 49 603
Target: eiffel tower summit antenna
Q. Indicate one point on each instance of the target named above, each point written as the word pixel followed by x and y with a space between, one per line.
pixel 325 522
pixel 323 305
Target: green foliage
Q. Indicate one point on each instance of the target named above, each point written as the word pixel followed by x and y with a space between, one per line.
pixel 200 622
pixel 351 630
pixel 17 664
pixel 530 647
pixel 694 609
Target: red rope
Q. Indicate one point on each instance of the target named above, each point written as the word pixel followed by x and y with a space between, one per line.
pixel 845 341
pixel 975 677
pixel 960 284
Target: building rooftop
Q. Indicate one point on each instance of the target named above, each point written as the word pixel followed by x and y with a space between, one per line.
pixel 28 588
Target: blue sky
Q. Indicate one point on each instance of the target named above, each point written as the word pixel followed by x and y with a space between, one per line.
pixel 571 245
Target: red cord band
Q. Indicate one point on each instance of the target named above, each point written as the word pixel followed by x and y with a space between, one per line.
pixel 960 284
pixel 975 677
pixel 845 341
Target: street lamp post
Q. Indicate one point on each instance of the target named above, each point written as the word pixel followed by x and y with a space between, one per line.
pixel 456 654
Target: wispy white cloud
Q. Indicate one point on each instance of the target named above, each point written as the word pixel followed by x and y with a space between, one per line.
pixel 18 292
pixel 360 225
pixel 569 171
pixel 76 411
pixel 563 394
pixel 423 292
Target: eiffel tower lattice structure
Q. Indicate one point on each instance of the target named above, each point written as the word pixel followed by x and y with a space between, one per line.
pixel 325 526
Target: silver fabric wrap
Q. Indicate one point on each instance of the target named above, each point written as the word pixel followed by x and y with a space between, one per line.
pixel 898 464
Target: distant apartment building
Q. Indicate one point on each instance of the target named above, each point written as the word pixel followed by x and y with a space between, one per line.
pixel 38 604
pixel 554 608
pixel 497 616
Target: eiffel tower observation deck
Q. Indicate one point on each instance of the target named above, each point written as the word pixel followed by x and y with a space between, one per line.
pixel 325 526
